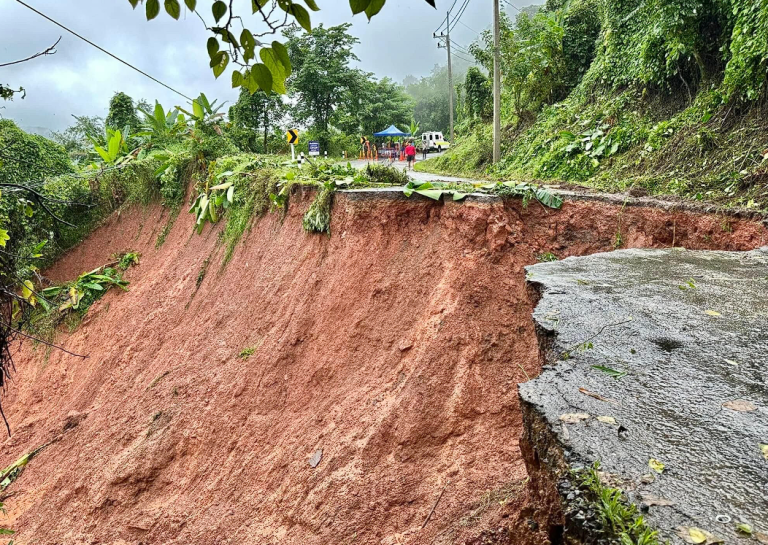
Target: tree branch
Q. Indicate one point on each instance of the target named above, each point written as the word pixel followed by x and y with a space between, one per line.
pixel 49 51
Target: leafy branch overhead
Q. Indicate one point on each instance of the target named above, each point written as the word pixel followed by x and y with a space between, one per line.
pixel 262 64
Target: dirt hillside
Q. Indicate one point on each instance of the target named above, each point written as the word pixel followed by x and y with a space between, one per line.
pixel 389 352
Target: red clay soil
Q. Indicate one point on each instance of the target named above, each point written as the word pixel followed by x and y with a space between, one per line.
pixel 394 347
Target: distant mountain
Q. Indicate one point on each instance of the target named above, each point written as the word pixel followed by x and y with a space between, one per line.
pixel 42 131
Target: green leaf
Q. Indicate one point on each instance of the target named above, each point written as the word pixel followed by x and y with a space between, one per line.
pixel 610 372
pixel 312 5
pixel 358 6
pixel 173 8
pixel 134 3
pixel 222 64
pixel 249 44
pixel 153 9
pixel 547 198
pixel 260 78
pixel 197 109
pixel 374 7
pixel 219 187
pixel 302 16
pixel 431 193
pixel 191 4
pixel 237 79
pixel 4 237
pixel 93 286
pixel 219 9
pixel 459 195
pixel 274 65
pixel 213 46
pixel 231 194
pixel 282 55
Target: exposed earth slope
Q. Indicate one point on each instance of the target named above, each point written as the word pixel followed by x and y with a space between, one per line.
pixel 387 356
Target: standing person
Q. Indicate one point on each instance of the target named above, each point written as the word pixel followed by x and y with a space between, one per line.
pixel 424 150
pixel 410 154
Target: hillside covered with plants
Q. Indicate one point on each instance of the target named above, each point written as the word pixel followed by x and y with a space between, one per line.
pixel 660 96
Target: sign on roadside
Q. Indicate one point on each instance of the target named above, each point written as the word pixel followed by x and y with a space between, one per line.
pixel 314 148
pixel 292 136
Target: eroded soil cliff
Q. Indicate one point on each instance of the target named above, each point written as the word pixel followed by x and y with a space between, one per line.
pixel 393 348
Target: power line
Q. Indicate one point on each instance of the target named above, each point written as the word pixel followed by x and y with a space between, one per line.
pixel 449 11
pixel 460 14
pixel 464 58
pixel 461 47
pixel 469 27
pixel 86 40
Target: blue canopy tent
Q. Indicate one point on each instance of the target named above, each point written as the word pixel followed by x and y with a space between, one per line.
pixel 392 131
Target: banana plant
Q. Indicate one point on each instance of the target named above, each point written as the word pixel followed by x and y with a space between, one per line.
pixel 211 203
pixel 414 128
pixel 116 151
pixel 161 124
pixel 203 111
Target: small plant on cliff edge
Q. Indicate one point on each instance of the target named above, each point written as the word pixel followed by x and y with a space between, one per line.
pixel 618 518
pixel 318 217
pixel 211 202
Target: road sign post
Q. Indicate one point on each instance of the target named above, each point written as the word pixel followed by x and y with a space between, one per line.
pixel 292 136
pixel 314 148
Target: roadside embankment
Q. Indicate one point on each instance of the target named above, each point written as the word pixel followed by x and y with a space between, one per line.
pixel 354 388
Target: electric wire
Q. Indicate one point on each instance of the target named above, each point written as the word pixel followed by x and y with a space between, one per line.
pixel 86 40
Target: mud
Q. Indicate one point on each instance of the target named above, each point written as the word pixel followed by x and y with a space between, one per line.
pixel 395 346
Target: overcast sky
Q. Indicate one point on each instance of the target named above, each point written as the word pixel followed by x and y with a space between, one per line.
pixel 80 80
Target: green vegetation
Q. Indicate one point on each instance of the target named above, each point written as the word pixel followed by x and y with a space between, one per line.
pixel 69 302
pixel 618 518
pixel 668 96
pixel 459 191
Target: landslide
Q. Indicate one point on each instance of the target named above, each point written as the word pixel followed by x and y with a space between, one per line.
pixel 390 351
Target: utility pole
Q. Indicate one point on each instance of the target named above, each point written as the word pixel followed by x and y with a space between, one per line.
pixel 447 37
pixel 496 85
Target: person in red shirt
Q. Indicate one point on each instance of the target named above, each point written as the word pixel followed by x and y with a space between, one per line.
pixel 410 154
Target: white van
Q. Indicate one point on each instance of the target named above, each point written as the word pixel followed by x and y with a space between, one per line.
pixel 435 140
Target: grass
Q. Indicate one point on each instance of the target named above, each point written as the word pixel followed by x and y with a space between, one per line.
pixel 618 517
pixel 500 496
pixel 617 141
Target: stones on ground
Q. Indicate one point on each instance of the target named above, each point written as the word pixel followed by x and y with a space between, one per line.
pixel 740 405
pixel 405 346
pixel 764 450
pixel 574 418
pixel 314 461
pixel 655 465
pixel 648 478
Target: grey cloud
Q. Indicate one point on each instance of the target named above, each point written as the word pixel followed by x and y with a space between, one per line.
pixel 80 79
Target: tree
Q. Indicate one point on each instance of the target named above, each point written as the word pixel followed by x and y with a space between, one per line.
pixel 479 96
pixel 430 99
pixel 77 139
pixel 122 113
pixel 370 105
pixel 241 49
pixel 252 114
pixel 321 74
